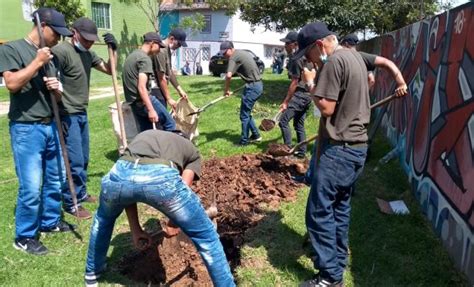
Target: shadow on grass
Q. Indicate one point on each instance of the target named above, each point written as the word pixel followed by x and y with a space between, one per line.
pixel 283 245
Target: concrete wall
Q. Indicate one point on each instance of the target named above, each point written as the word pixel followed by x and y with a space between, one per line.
pixel 434 126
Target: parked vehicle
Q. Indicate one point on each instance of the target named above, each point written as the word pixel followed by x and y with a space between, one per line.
pixel 218 64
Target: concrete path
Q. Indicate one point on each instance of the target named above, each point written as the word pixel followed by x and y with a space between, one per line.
pixel 95 94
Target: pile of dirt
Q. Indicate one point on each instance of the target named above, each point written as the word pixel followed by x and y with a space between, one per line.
pixel 245 186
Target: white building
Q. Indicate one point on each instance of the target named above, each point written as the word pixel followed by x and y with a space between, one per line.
pixel 219 27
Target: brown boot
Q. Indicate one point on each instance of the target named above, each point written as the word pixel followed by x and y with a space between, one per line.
pixel 90 199
pixel 81 213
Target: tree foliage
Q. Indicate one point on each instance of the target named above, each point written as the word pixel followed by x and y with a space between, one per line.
pixel 71 9
pixel 343 16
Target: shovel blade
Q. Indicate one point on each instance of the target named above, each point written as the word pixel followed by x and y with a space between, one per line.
pixel 266 125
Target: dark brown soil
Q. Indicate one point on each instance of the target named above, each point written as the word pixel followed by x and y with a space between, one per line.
pixel 245 186
pixel 276 149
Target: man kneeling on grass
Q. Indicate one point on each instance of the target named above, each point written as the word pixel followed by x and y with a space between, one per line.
pixel 157 168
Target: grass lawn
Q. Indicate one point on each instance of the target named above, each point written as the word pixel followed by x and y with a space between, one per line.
pixel 4 94
pixel 385 250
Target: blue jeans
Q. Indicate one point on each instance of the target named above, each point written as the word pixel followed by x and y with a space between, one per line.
pixel 166 122
pixel 252 92
pixel 40 172
pixel 297 109
pixel 328 208
pixel 161 187
pixel 76 134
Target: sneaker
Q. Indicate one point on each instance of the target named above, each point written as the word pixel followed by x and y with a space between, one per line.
pixel 62 226
pixel 81 214
pixel 318 281
pixel 90 199
pixel 30 245
pixel 256 139
pixel 299 155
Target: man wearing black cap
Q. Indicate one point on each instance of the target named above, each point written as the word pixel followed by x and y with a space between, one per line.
pixel 350 41
pixel 242 63
pixel 137 69
pixel 163 69
pixel 342 96
pixel 34 136
pixel 297 101
pixel 75 62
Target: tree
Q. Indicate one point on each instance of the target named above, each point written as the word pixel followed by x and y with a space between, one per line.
pixel 71 9
pixel 344 16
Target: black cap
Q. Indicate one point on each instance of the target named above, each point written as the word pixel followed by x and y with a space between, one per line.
pixel 153 37
pixel 350 39
pixel 179 35
pixel 87 28
pixel 226 45
pixel 290 37
pixel 53 19
pixel 309 34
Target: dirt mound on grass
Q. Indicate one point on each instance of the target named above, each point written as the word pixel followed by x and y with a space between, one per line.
pixel 245 186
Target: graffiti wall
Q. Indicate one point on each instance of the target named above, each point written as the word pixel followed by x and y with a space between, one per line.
pixel 433 127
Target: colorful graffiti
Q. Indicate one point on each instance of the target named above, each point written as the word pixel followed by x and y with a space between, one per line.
pixel 434 126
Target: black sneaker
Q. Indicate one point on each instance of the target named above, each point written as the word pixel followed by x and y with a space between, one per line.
pixel 255 139
pixel 300 154
pixel 30 245
pixel 62 226
pixel 318 281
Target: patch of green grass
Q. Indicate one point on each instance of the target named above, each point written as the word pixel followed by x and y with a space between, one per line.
pixel 403 248
pixel 385 250
pixel 4 94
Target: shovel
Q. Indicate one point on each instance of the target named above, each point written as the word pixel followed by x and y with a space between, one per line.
pixel 281 150
pixel 268 124
pixel 203 108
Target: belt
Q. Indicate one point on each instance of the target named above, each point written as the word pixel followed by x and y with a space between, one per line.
pixel 349 144
pixel 42 121
pixel 147 160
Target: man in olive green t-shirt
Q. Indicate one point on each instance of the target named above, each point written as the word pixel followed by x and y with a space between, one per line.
pixel 242 63
pixel 136 71
pixel 75 62
pixel 163 69
pixel 34 136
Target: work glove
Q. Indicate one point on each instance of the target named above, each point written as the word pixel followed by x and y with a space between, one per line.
pixel 109 39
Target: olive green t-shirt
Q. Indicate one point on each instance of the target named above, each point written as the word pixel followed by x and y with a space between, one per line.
pixel 75 67
pixel 137 62
pixel 242 63
pixel 168 146
pixel 295 70
pixel 32 102
pixel 162 61
pixel 344 79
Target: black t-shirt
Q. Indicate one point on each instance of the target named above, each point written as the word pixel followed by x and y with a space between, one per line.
pixel 295 71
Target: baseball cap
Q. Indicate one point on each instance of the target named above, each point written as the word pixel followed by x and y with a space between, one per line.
pixel 87 28
pixel 350 39
pixel 179 35
pixel 53 19
pixel 226 45
pixel 309 34
pixel 153 37
pixel 290 37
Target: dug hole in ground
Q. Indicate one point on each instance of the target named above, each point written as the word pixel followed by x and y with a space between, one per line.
pixel 246 186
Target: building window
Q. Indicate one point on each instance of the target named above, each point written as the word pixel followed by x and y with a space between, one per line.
pixel 207 25
pixel 205 53
pixel 270 50
pixel 101 15
pixel 189 54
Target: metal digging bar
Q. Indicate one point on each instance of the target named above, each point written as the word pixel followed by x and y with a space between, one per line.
pixel 57 119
